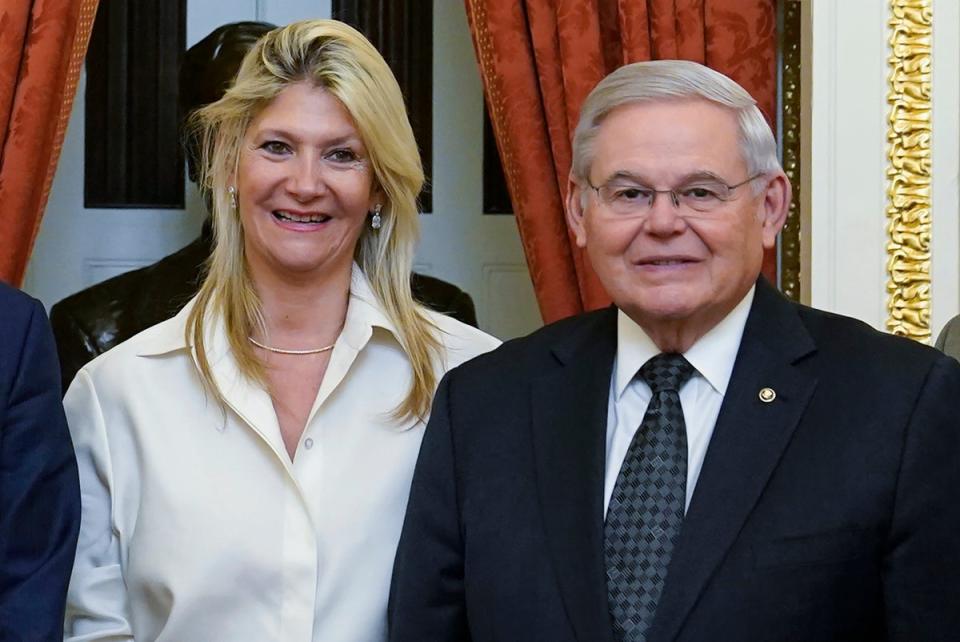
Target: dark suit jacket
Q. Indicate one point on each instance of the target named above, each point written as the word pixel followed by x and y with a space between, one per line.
pixel 104 315
pixel 827 514
pixel 949 339
pixel 39 493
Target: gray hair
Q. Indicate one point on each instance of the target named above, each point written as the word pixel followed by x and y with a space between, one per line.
pixel 658 80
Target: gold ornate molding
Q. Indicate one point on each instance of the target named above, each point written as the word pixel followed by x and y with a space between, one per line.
pixel 790 60
pixel 909 169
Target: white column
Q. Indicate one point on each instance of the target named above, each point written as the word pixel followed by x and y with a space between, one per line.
pixel 845 52
pixel 946 163
pixel 845 121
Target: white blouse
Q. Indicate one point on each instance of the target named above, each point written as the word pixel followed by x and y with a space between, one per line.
pixel 197 526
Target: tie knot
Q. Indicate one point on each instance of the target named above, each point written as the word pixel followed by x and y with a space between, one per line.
pixel 666 371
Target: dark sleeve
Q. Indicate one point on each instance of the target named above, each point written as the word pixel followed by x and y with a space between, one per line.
pixel 39 491
pixel 427 593
pixel 75 346
pixel 921 572
pixel 949 339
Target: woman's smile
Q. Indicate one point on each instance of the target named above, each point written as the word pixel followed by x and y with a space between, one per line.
pixel 304 185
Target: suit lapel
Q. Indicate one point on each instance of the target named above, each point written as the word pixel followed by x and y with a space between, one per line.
pixel 747 443
pixel 569 406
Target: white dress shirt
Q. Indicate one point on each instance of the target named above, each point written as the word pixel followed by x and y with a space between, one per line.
pixel 196 524
pixel 713 356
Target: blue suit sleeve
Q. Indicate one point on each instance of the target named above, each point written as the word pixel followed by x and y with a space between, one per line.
pixel 39 491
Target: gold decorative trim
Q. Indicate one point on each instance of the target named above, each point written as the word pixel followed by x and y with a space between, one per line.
pixel 790 50
pixel 909 170
pixel 496 104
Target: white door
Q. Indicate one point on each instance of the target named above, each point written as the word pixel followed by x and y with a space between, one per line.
pixel 78 247
pixel 480 253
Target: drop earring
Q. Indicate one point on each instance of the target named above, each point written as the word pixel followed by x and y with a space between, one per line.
pixel 232 191
pixel 375 221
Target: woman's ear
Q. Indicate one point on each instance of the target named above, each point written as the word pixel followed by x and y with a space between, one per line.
pixel 377 197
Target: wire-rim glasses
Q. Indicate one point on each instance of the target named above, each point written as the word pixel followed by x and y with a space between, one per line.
pixel 625 197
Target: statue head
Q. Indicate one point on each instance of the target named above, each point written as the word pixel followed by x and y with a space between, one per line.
pixel 207 70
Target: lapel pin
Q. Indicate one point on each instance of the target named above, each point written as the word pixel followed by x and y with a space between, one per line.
pixel 767 395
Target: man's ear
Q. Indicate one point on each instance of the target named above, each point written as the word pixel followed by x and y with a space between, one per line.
pixel 775 207
pixel 574 211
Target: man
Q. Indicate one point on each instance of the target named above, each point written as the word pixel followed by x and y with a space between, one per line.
pixel 39 492
pixel 706 460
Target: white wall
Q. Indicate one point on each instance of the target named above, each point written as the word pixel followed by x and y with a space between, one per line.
pixel 78 247
pixel 845 54
pixel 845 102
pixel 480 253
pixel 946 163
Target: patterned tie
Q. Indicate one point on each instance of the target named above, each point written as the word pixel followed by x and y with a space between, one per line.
pixel 647 505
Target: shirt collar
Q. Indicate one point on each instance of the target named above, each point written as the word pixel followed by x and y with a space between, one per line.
pixel 167 336
pixel 364 313
pixel 713 355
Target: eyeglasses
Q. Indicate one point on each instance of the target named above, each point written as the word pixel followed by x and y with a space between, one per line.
pixel 627 198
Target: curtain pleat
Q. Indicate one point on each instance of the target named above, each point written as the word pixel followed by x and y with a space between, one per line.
pixel 540 58
pixel 42 45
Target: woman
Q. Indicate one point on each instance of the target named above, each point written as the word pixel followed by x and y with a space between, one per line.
pixel 245 465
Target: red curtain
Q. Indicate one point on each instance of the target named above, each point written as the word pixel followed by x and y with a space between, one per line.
pixel 42 45
pixel 540 58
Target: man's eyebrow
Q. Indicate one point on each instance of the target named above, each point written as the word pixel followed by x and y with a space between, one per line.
pixel 702 175
pixel 626 176
pixel 692 177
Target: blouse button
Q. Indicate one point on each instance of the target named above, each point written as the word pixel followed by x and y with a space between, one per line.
pixel 308 443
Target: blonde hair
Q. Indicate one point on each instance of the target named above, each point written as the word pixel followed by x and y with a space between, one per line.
pixel 336 57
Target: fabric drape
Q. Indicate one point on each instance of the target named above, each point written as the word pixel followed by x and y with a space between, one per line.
pixel 540 58
pixel 42 46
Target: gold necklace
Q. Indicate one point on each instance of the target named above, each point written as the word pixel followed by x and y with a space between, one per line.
pixel 282 351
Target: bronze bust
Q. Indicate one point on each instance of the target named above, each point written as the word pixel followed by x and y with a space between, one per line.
pixel 96 319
